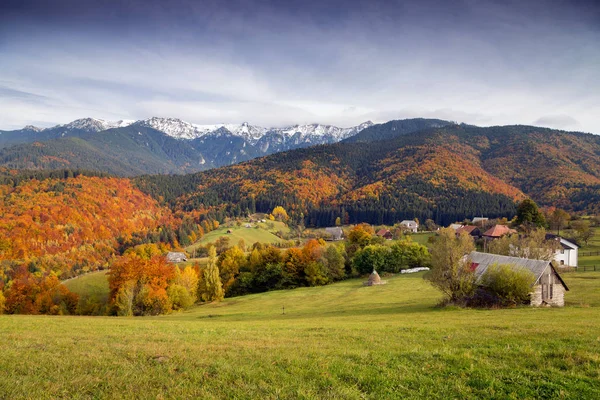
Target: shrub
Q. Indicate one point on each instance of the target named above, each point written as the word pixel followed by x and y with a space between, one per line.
pixel 511 286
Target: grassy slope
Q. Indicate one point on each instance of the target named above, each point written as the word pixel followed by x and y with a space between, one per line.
pixel 249 235
pixel 94 284
pixel 339 341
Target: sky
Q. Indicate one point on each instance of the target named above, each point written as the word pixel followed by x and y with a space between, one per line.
pixel 275 63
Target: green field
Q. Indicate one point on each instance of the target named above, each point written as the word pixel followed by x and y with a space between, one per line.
pixel 337 341
pixel 93 290
pixel 250 236
pixel 593 246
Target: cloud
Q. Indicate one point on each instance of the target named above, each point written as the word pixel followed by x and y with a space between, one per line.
pixel 273 63
pixel 565 122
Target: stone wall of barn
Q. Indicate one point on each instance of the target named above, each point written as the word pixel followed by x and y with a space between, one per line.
pixel 553 288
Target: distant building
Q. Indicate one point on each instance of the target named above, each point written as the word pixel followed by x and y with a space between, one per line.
pixel 548 287
pixel 409 225
pixel 497 231
pixel 456 226
pixel 471 230
pixel 335 232
pixel 479 221
pixel 176 257
pixel 385 233
pixel 568 252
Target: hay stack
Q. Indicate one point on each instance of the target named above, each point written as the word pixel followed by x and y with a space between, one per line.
pixel 374 279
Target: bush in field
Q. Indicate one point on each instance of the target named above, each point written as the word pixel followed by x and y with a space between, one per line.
pixel 510 286
pixel 372 257
pixel 451 272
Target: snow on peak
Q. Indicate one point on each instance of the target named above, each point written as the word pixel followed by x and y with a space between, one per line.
pixel 305 132
pixel 32 128
pixel 94 124
pixel 171 126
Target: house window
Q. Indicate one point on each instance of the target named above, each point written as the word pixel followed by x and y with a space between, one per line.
pixel 551 290
pixel 562 262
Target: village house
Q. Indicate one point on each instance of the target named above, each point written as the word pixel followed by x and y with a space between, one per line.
pixel 472 230
pixel 480 221
pixel 176 257
pixel 497 231
pixel 385 233
pixel 409 225
pixel 335 233
pixel 548 288
pixel 568 252
pixel 456 226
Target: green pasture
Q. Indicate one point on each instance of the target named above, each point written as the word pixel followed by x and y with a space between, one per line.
pixel 339 341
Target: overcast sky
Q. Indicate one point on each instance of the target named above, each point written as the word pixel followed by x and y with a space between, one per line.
pixel 273 63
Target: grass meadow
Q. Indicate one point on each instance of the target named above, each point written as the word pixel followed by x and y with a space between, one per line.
pixel 258 233
pixel 593 246
pixel 338 341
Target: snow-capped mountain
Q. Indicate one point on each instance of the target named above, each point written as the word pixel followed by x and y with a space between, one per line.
pixel 188 146
pixel 296 134
pixel 92 125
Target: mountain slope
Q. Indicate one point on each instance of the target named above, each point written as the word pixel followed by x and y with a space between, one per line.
pixel 445 173
pixel 156 145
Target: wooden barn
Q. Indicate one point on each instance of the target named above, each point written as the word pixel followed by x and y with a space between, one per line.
pixel 385 233
pixel 549 288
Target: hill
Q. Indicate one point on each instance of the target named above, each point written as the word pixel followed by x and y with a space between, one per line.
pixel 246 347
pixel 445 173
pixel 73 223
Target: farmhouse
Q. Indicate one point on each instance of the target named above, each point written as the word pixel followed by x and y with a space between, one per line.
pixel 385 233
pixel 409 225
pixel 471 230
pixel 335 232
pixel 548 289
pixel 567 253
pixel 480 221
pixel 497 231
pixel 176 257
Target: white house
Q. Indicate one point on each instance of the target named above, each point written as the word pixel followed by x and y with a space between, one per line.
pixel 479 220
pixel 409 225
pixel 567 254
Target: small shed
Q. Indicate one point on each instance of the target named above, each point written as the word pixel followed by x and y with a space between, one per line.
pixel 385 233
pixel 335 232
pixel 471 230
pixel 176 257
pixel 480 220
pixel 548 288
pixel 374 279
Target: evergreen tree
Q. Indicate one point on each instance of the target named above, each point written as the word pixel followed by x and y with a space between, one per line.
pixel 528 213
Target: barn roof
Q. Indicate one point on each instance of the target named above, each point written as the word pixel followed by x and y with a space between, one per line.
pixel 497 231
pixel 467 228
pixel 481 262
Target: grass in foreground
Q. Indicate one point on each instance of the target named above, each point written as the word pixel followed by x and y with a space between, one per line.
pixel 337 341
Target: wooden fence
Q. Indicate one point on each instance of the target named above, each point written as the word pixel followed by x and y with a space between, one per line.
pixel 589 253
pixel 583 268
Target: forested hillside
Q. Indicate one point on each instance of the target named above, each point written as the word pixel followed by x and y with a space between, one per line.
pixel 446 174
